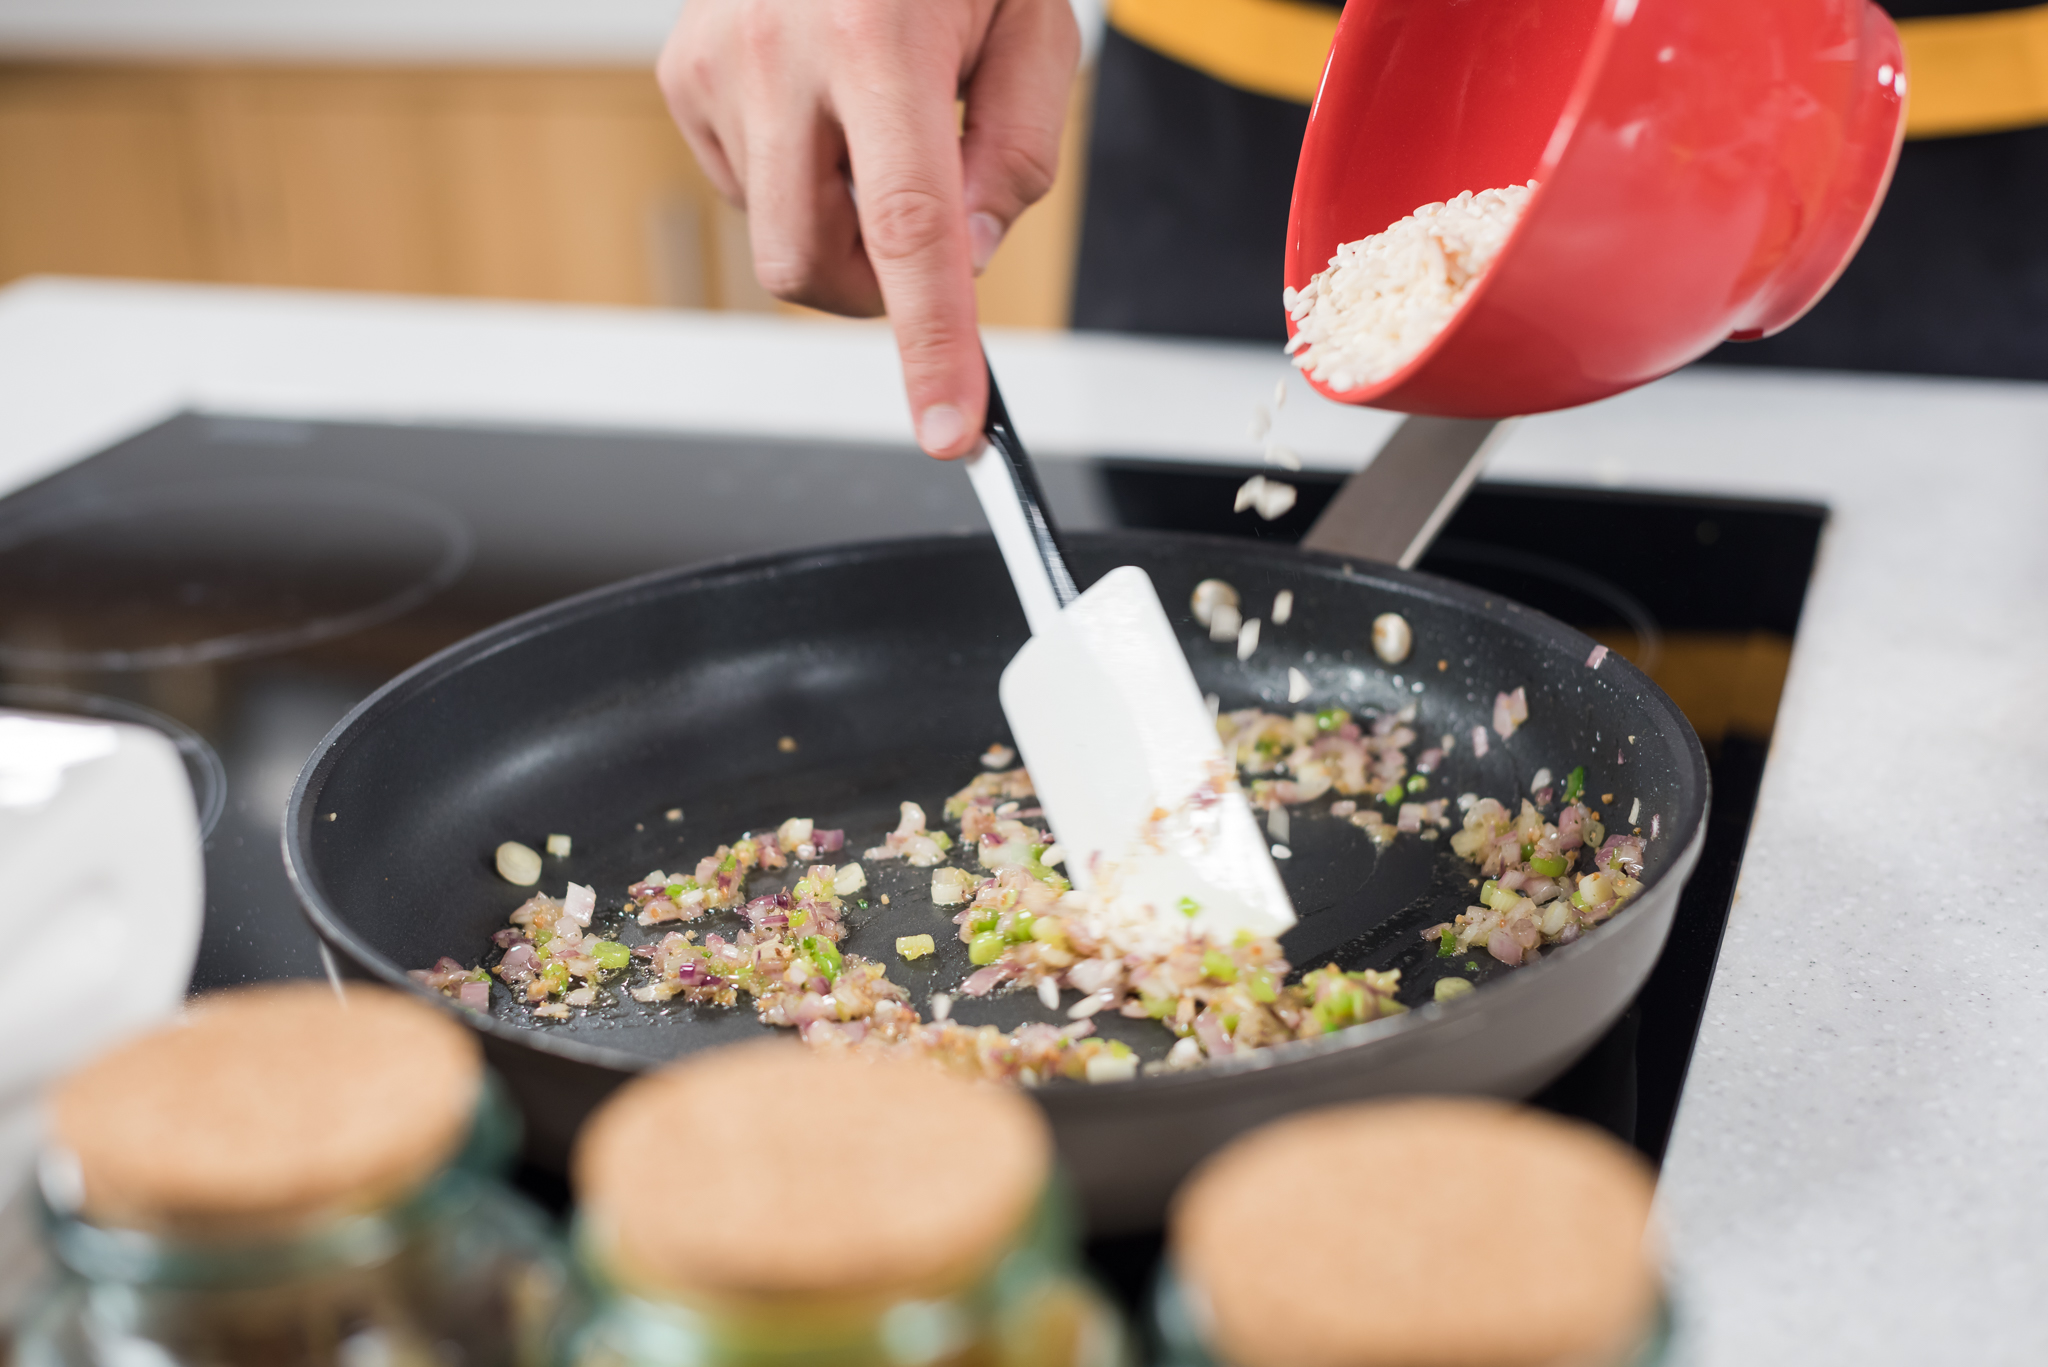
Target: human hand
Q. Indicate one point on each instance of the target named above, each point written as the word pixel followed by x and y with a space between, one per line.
pixel 790 104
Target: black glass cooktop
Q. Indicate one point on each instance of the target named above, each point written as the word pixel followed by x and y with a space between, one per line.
pixel 241 582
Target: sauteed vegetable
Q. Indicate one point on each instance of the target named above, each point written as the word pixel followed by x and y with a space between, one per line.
pixel 1543 880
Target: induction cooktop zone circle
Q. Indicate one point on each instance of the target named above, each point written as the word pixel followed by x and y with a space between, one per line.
pixel 207 571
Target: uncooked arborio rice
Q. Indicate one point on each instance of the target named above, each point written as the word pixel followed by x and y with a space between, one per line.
pixel 1382 298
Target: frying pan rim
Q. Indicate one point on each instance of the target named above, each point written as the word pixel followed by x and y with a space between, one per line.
pixel 1494 607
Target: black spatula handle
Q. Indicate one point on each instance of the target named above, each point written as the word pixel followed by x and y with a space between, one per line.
pixel 1002 436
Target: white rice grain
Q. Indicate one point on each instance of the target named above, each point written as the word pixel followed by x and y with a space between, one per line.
pixel 1383 298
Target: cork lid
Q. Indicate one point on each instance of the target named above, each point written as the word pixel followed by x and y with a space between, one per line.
pixel 267 1109
pixel 1424 1233
pixel 769 1169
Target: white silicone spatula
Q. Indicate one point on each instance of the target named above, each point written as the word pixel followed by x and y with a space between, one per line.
pixel 1120 745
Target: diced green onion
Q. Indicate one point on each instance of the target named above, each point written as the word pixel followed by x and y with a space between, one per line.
pixel 985 949
pixel 824 954
pixel 942 840
pixel 1574 785
pixel 1218 965
pixel 1259 984
pixel 1330 718
pixel 611 954
pixel 1550 866
pixel 1190 907
pixel 1447 944
pixel 1393 793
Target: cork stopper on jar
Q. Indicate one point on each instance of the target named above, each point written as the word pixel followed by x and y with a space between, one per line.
pixel 1425 1233
pixel 769 1171
pixel 267 1110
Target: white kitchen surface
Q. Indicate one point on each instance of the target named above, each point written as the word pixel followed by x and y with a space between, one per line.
pixel 540 31
pixel 1858 1170
pixel 524 32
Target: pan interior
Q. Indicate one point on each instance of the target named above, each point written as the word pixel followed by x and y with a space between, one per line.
pixel 601 717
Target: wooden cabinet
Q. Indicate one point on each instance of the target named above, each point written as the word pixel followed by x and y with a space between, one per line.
pixel 528 184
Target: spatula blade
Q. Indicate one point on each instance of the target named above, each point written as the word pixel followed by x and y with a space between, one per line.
pixel 1128 767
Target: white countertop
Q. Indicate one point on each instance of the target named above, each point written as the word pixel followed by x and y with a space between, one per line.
pixel 459 32
pixel 541 32
pixel 1857 1173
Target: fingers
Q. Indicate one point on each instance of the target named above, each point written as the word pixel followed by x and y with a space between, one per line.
pixel 895 99
pixel 1016 105
pixel 801 218
pixel 802 223
pixel 688 74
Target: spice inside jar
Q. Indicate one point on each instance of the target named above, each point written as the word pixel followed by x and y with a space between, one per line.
pixel 292 1176
pixel 771 1203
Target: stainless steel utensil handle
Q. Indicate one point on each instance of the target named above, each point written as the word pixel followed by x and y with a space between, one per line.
pixel 1392 509
pixel 1015 506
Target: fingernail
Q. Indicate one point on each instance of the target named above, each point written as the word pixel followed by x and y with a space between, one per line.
pixel 939 427
pixel 984 235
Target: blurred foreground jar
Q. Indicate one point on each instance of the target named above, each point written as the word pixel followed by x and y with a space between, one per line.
pixel 767 1205
pixel 290 1178
pixel 1416 1233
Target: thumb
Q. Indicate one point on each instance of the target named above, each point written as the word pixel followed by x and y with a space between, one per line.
pixel 1016 103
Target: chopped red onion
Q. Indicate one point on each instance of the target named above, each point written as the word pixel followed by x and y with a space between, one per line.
pixel 579 903
pixel 519 964
pixel 982 981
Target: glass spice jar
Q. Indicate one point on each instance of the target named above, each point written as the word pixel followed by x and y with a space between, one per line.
pixel 1412 1233
pixel 771 1206
pixel 288 1179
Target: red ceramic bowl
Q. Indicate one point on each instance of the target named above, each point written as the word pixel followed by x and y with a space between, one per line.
pixel 1707 169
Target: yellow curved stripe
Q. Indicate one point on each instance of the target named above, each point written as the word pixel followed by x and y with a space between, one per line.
pixel 1269 47
pixel 1976 73
pixel 1972 73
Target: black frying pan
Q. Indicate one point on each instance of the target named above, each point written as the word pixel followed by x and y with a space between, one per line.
pixel 597 715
